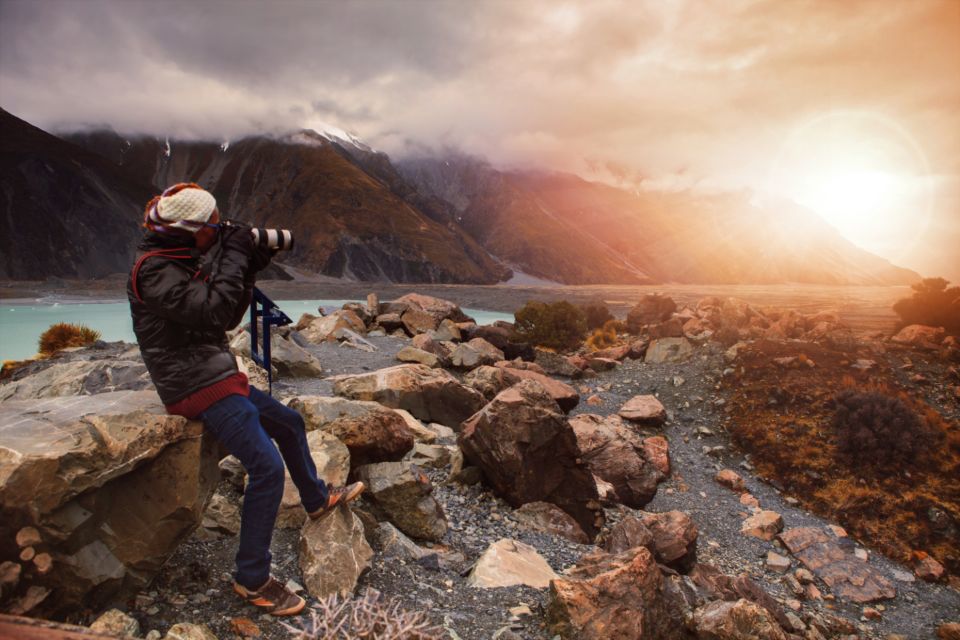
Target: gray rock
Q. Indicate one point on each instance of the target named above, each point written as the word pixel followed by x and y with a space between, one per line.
pixel 402 491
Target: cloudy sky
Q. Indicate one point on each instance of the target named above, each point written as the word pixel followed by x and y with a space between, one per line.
pixel 850 107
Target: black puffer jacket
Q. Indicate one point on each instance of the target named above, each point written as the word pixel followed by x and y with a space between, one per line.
pixel 184 308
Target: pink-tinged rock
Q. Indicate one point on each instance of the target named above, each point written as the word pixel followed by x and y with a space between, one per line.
pixel 918 335
pixel 594 400
pixel 614 453
pixel 731 480
pixel 949 631
pixel 416 321
pixel 562 393
pixel 833 560
pixel 602 364
pixel 646 410
pixel 748 500
pixel 613 596
pixel 739 620
pixel 674 538
pixel 613 353
pixel 657 452
pixel 638 349
pixel 928 569
pixel 764 525
pixel 520 364
pixel 579 362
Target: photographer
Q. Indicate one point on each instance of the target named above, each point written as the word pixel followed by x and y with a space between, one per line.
pixel 193 281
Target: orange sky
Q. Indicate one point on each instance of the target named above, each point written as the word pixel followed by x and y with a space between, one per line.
pixel 850 107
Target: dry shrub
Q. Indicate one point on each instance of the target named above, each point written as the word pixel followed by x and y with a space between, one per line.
pixel 64 335
pixel 369 617
pixel 605 336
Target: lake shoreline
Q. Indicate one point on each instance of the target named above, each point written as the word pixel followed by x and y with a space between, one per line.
pixel 863 308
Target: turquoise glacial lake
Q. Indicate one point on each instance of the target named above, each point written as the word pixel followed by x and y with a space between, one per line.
pixel 22 322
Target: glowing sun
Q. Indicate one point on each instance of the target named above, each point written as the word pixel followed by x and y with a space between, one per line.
pixel 860 172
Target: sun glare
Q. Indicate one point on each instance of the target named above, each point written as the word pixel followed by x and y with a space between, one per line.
pixel 849 199
pixel 861 172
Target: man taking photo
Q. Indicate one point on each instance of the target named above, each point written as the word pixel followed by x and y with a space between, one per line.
pixel 191 283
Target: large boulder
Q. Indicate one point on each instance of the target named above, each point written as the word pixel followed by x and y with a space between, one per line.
pixel 287 357
pixel 613 596
pixel 416 321
pixel 556 364
pixel 528 452
pixel 418 356
pixel 333 553
pixel 110 482
pixel 372 432
pixel 439 308
pixel 324 329
pixel 432 395
pixel 79 377
pixel 489 381
pixel 332 459
pixel 403 493
pixel 674 538
pixel 651 309
pixel 614 453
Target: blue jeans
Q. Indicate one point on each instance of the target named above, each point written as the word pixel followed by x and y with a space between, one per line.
pixel 245 427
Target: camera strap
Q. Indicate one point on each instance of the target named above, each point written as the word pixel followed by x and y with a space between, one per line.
pixel 177 253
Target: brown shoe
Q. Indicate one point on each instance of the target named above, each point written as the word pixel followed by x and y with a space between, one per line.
pixel 339 495
pixel 273 597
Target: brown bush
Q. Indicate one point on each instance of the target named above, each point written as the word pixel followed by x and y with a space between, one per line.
pixel 933 304
pixel 597 315
pixel 876 429
pixel 557 325
pixel 64 335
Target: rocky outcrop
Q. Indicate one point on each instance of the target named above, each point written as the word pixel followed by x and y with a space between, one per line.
pixel 507 563
pixel 614 453
pixel 333 553
pixel 528 453
pixel 110 482
pixel 372 432
pixel 432 395
pixel 833 559
pixel 402 492
pixel 612 596
pixel 80 377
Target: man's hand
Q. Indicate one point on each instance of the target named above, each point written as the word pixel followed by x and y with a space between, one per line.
pixel 236 237
pixel 260 257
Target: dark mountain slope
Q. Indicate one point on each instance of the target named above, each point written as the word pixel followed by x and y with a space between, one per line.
pixel 347 222
pixel 65 211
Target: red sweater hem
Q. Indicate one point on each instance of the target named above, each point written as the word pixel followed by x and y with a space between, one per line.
pixel 199 401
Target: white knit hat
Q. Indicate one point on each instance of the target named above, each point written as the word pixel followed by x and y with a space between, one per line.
pixel 183 206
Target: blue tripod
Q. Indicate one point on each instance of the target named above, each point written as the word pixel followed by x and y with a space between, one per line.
pixel 264 308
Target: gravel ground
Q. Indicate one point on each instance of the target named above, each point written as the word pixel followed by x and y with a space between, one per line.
pixel 195 584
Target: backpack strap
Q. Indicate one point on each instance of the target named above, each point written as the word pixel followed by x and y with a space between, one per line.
pixel 176 253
